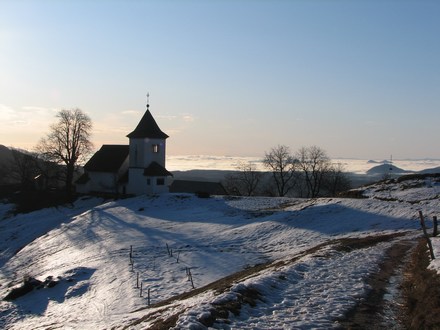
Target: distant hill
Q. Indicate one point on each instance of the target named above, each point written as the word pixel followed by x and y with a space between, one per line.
pixel 430 170
pixel 5 155
pixel 378 162
pixel 387 169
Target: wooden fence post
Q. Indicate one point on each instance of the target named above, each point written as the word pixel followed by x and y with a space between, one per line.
pixel 190 278
pixel 148 296
pixel 435 230
pixel 422 222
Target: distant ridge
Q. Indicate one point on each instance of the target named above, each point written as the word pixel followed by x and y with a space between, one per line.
pixel 385 169
pixel 5 155
pixel 378 162
pixel 430 170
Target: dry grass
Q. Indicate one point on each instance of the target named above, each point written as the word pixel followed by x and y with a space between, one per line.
pixel 421 289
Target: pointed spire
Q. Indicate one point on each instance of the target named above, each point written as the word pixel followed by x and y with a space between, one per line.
pixel 147 127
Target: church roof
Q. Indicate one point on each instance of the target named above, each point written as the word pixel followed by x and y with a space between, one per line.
pixel 147 128
pixel 108 159
pixel 155 169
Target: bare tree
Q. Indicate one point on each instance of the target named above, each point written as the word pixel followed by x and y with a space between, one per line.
pixel 245 181
pixel 336 180
pixel 283 167
pixel 23 167
pixel 68 141
pixel 314 163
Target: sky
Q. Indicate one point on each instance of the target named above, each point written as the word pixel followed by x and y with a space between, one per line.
pixel 360 79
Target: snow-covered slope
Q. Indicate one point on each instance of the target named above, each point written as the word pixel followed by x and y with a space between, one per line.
pixel 86 250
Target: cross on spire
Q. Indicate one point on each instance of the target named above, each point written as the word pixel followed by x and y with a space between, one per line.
pixel 148 100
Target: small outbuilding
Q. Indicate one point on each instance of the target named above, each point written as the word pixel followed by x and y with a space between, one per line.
pixel 200 188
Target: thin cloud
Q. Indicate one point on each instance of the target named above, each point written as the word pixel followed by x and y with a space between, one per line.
pixel 131 112
pixel 167 117
pixel 20 122
pixel 35 116
pixel 7 113
pixel 188 118
pixel 39 109
pixel 174 131
pixel 181 117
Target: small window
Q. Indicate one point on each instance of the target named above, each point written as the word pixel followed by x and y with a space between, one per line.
pixel 148 182
pixel 155 148
pixel 160 181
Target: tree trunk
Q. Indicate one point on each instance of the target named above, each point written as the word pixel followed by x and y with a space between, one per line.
pixel 69 178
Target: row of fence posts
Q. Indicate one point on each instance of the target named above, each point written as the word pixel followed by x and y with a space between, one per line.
pixel 140 287
pixel 425 233
pixel 139 284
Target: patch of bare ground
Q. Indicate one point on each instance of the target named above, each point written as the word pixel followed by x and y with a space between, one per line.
pixel 369 312
pixel 246 296
pixel 421 289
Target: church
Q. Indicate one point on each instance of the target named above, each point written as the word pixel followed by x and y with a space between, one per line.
pixel 137 168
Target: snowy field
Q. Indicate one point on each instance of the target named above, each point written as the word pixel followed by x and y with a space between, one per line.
pixel 85 248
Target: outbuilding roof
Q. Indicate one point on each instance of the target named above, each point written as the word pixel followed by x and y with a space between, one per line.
pixel 147 128
pixel 196 187
pixel 108 159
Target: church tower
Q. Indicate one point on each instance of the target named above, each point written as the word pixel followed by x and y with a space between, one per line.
pixel 147 173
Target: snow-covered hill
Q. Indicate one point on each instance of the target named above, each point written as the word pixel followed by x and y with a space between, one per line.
pixel 85 251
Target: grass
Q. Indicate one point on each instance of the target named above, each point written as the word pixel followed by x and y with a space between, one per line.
pixel 421 287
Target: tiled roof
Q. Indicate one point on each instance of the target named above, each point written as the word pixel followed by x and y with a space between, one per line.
pixel 108 159
pixel 155 169
pixel 147 128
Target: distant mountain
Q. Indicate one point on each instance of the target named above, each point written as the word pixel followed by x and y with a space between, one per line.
pixel 378 162
pixel 387 169
pixel 5 155
pixel 430 170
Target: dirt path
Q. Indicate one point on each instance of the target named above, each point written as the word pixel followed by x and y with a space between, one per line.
pixel 377 311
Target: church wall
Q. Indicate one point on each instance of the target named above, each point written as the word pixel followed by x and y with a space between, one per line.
pixel 141 184
pixel 102 182
pixel 123 168
pixel 82 188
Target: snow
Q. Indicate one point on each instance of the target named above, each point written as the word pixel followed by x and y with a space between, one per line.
pixel 86 248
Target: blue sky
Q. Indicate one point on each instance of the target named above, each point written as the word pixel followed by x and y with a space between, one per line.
pixel 358 78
